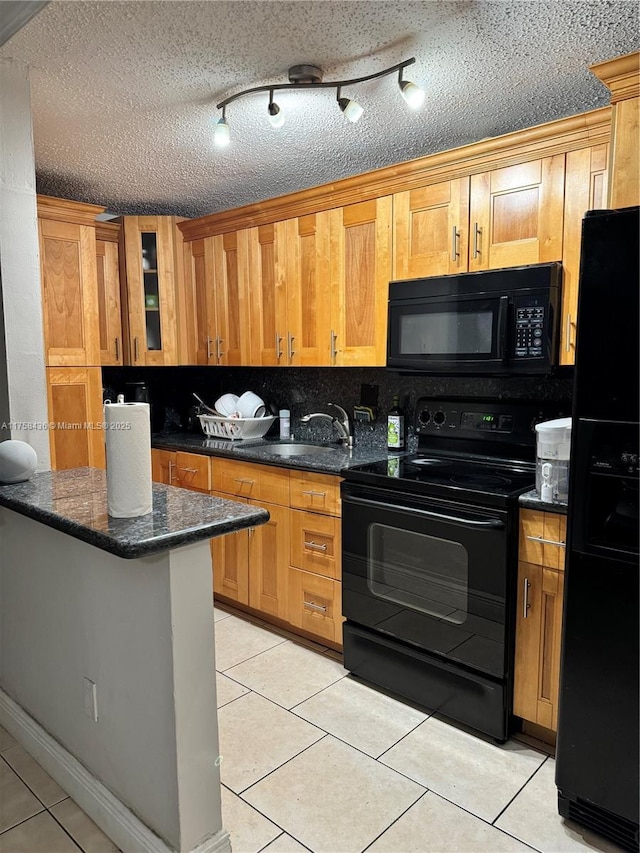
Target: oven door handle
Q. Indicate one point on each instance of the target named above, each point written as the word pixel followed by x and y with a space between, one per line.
pixel 489 523
pixel 503 310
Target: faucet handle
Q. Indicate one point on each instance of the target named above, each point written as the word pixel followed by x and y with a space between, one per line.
pixel 341 410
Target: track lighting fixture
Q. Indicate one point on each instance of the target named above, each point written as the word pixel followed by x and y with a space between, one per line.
pixel 310 77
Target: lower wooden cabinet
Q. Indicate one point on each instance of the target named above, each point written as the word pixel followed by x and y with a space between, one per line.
pixel 230 561
pixel 76 437
pixel 315 604
pixel 539 617
pixel 268 557
pixel 176 468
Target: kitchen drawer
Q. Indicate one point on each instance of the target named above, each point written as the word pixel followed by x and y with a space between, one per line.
pixel 192 471
pixel 248 480
pixel 315 492
pixel 542 538
pixel 316 543
pixel 315 604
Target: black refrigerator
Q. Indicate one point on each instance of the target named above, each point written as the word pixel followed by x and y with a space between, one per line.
pixel 597 750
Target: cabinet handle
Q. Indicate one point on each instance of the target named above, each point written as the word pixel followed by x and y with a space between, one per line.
pixel 315 546
pixel 251 531
pixel 189 470
pixel 544 541
pixel 567 335
pixel 315 606
pixel 135 349
pixel 525 598
pixel 455 254
pixel 476 233
pixel 171 478
pixel 290 349
pixel 334 351
pixel 243 481
pixel 278 350
pixel 208 347
pixel 117 348
pixel 315 494
pixel 219 352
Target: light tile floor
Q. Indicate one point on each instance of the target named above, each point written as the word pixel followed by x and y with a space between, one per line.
pixel 314 760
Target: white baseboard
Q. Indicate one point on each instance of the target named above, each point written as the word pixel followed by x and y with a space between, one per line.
pixel 105 809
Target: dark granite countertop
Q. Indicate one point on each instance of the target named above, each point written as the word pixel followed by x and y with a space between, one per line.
pixel 530 500
pixel 254 451
pixel 75 502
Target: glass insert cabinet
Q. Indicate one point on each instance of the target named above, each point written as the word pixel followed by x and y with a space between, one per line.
pixel 150 262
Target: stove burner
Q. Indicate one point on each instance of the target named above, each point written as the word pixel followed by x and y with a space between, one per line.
pixel 427 461
pixel 482 480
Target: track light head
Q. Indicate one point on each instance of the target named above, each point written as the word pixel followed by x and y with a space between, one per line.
pixel 351 109
pixel 275 115
pixel 221 135
pixel 413 95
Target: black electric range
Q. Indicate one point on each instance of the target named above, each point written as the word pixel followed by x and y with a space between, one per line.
pixel 429 563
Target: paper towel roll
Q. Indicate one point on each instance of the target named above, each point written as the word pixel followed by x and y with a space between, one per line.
pixel 128 445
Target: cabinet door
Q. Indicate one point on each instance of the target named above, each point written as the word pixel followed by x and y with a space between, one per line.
pixel 150 286
pixel 316 543
pixel 233 331
pixel 193 471
pixel 538 638
pixel 69 293
pixel 230 562
pixel 163 466
pixel 585 189
pixel 517 215
pixel 431 230
pixel 199 325
pixel 308 293
pixel 270 341
pixel 360 273
pixel 75 409
pixel 109 314
pixel 315 604
pixel 269 562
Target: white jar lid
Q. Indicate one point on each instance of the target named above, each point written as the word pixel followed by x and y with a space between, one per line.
pixel 552 426
pixel 284 413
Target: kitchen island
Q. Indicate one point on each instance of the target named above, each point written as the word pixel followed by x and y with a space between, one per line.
pixel 108 665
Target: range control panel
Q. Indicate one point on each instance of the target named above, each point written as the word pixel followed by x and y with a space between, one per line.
pixel 486 421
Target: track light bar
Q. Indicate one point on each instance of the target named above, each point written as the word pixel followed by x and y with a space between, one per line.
pixel 310 77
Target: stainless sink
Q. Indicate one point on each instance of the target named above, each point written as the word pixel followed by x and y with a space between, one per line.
pixel 299 450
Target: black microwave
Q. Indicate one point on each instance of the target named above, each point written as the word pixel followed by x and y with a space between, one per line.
pixel 490 322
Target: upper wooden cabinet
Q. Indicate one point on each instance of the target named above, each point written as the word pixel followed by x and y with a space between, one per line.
pixel 108 283
pixel 360 260
pixel 431 230
pixel 69 283
pixel 150 287
pixel 199 315
pixel 230 295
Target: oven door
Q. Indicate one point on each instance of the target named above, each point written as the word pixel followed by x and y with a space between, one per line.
pixel 429 573
pixel 444 334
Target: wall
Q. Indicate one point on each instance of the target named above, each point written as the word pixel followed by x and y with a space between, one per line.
pixel 308 389
pixel 23 393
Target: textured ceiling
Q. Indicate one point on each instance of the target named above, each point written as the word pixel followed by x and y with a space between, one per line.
pixel 124 94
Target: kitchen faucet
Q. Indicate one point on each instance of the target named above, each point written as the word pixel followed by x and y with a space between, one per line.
pixel 340 422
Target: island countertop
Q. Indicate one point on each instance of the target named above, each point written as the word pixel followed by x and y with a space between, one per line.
pixel 75 502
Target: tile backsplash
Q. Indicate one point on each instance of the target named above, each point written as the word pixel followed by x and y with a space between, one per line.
pixel 309 389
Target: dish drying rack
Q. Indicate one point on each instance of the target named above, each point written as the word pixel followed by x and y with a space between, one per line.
pixel 235 429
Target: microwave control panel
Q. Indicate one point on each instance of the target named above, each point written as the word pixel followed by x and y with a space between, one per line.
pixel 529 322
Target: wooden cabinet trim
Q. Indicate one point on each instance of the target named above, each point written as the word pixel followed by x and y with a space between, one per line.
pixel 620 75
pixel 64 210
pixel 533 143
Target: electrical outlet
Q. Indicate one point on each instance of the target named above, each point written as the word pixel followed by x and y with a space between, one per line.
pixel 90 700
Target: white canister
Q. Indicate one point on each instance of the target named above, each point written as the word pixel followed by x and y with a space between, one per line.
pixel 553 450
pixel 285 423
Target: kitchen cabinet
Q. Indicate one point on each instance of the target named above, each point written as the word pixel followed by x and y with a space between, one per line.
pixel 230 562
pixel 149 269
pixel 74 396
pixel 231 342
pixel 185 470
pixel 315 605
pixel 268 557
pixel 539 617
pixel 69 282
pixel 200 310
pixel 360 261
pixel 108 284
pixel 585 189
pixel 431 230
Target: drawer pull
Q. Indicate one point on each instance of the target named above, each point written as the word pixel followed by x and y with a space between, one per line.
pixel 315 546
pixel 189 470
pixel 315 494
pixel 525 598
pixel 315 606
pixel 244 481
pixel 544 541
